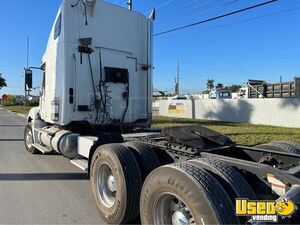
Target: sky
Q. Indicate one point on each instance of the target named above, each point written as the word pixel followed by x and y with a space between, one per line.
pixel 263 43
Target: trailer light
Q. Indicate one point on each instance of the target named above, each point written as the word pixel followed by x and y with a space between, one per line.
pixel 55 110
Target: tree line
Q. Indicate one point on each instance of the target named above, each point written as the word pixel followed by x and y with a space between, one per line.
pixel 211 85
pixel 2 82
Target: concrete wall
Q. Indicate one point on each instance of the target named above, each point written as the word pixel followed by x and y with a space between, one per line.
pixel 183 108
pixel 276 112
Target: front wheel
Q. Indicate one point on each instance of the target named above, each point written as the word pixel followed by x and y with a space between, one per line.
pixel 28 139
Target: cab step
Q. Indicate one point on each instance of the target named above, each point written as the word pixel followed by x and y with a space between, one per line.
pixel 41 148
pixel 81 163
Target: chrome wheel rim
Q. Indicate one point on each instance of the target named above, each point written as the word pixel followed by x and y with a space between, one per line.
pixel 106 185
pixel 170 209
pixel 29 138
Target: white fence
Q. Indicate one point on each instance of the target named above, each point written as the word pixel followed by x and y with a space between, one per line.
pixel 276 112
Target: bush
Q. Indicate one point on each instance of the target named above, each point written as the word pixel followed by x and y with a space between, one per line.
pixel 11 100
pixel 34 103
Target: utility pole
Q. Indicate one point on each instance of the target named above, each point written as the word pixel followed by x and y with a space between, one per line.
pixel 27 56
pixel 129 3
pixel 27 62
pixel 177 91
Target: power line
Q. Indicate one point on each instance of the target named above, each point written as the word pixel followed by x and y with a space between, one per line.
pixel 192 8
pixel 204 11
pixel 182 5
pixel 255 18
pixel 217 7
pixel 216 18
pixel 229 3
pixel 159 6
pixel 198 6
pixel 163 4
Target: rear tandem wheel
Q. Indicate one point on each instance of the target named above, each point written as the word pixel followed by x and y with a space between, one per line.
pixel 284 146
pixel 182 194
pixel 116 183
pixel 145 156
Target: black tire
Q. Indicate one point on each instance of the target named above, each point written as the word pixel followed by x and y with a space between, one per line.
pixel 203 196
pixel 279 146
pixel 125 170
pixel 145 156
pixel 291 143
pixel 29 147
pixel 295 144
pixel 105 138
pixel 233 182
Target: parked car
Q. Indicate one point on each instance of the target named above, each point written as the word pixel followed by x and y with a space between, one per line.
pixel 180 97
pixel 220 94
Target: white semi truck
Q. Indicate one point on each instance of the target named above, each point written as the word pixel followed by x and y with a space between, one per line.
pixel 95 109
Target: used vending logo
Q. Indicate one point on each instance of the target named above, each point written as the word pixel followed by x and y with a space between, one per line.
pixel 264 211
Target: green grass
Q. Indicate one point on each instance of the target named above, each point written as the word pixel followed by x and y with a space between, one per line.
pixel 242 133
pixel 19 109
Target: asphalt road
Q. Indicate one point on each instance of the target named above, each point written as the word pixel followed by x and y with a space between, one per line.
pixel 39 189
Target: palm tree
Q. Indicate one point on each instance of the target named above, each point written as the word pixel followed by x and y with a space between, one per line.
pixel 210 84
pixel 219 86
pixel 2 82
pixel 235 87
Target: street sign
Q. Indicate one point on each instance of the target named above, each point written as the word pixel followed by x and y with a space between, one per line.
pixel 4 97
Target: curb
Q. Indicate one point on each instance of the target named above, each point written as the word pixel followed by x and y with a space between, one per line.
pixel 21 115
pixel 18 114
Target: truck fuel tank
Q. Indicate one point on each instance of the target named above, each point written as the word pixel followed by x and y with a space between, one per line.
pixel 62 141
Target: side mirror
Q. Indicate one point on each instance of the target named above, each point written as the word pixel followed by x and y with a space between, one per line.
pixel 28 79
